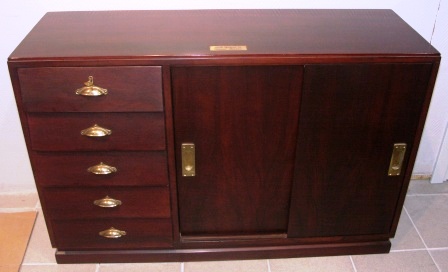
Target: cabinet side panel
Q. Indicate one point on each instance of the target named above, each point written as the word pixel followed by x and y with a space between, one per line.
pixel 351 116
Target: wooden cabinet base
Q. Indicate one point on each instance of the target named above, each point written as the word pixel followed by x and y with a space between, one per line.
pixel 206 254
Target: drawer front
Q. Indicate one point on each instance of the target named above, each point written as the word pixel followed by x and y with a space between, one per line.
pixel 129 89
pixel 78 203
pixel 129 131
pixel 140 234
pixel 70 168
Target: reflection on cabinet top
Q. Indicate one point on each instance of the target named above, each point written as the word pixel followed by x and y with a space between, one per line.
pixel 176 34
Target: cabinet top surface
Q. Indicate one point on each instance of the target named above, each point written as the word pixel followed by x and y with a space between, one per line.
pixel 149 34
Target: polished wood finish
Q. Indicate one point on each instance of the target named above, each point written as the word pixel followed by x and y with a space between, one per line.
pixel 243 123
pixel 221 254
pixel 171 163
pixel 355 115
pixel 62 131
pixel 129 89
pixel 140 233
pixel 137 202
pixel 293 135
pixel 70 168
pixel 175 34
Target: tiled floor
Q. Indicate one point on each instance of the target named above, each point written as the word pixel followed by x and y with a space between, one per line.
pixel 421 244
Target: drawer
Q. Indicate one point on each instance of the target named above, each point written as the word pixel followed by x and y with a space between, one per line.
pixel 129 89
pixel 78 203
pixel 70 168
pixel 140 234
pixel 129 131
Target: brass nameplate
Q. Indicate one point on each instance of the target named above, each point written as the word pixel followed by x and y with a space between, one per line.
pixel 228 48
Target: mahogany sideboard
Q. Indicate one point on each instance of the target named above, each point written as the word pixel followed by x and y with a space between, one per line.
pixel 221 134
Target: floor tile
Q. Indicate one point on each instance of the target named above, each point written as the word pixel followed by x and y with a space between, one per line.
pixel 430 216
pixel 441 258
pixel 153 267
pixel 319 264
pixel 18 201
pixel 59 268
pixel 425 187
pixel 409 261
pixel 406 236
pixel 228 266
pixel 39 248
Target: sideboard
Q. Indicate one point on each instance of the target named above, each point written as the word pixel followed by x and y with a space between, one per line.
pixel 221 134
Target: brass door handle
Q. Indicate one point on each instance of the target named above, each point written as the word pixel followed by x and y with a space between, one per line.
pixel 396 160
pixel 96 131
pixel 188 151
pixel 107 202
pixel 90 89
pixel 102 169
pixel 112 233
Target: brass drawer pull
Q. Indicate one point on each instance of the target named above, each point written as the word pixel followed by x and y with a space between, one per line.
pixel 112 233
pixel 107 202
pixel 90 89
pixel 96 131
pixel 102 169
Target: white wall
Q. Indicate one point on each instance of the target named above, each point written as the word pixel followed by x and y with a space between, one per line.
pixel 19 16
pixel 438 115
